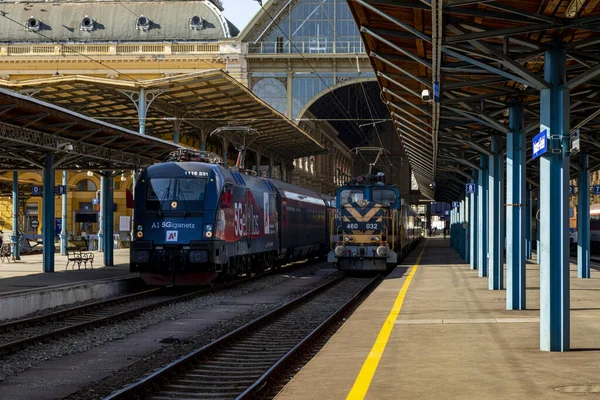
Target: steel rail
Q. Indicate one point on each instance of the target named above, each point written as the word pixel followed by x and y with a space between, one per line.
pixel 15 326
pixel 143 387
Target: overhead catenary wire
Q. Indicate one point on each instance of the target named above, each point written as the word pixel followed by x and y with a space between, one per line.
pixel 370 121
pixel 337 100
pixel 375 127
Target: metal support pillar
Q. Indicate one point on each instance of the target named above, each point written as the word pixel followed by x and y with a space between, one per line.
pixel 537 224
pixel 583 217
pixel 64 236
pixel 142 109
pixel 496 216
pixel 452 229
pixel 482 217
pixel 466 222
pixel 48 214
pixel 516 199
pixel 15 237
pixel 554 206
pixel 462 230
pixel 101 215
pixel 529 223
pixel 473 223
pixel 107 209
pixel 176 128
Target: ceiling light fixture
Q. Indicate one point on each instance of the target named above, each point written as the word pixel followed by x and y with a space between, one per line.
pixel 573 8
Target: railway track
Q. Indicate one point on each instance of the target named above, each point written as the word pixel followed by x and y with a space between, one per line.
pixel 241 364
pixel 19 334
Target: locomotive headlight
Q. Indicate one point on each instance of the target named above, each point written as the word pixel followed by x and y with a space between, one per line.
pixel 208 230
pixel 198 256
pixel 348 239
pixel 340 251
pixel 140 234
pixel 140 257
pixel 208 234
pixel 375 238
pixel 382 251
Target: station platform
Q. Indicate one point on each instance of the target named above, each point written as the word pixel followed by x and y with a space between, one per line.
pixel 453 339
pixel 25 289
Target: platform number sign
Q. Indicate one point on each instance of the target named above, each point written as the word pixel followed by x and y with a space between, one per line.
pixel 61 189
pixel 34 224
pixel 571 190
pixel 36 190
pixel 540 143
pixel 471 188
pixel 454 204
pixel 596 189
pixel 95 201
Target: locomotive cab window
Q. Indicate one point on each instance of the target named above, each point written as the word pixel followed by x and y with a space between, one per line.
pixel 348 196
pixel 386 197
pixel 175 194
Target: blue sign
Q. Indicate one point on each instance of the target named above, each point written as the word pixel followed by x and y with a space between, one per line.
pixel 36 190
pixel 454 204
pixel 471 188
pixel 596 189
pixel 60 190
pixel 540 143
pixel 95 201
pixel 436 92
pixel 571 190
pixel 58 226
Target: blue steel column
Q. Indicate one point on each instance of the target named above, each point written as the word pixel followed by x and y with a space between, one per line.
pixel 101 215
pixel 554 207
pixel 15 222
pixel 455 233
pixel 516 198
pixel 466 233
pixel 473 224
pixel 482 217
pixel 537 224
pixel 108 220
pixel 48 214
pixel 142 111
pixel 496 214
pixel 461 235
pixel 529 223
pixel 63 230
pixel 583 217
pixel 452 235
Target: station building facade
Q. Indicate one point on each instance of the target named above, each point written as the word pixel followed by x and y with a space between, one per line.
pixel 290 55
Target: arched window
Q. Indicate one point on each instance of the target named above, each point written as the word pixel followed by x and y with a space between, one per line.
pixel 85 185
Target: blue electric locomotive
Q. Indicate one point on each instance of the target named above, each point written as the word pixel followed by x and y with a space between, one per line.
pixel 195 220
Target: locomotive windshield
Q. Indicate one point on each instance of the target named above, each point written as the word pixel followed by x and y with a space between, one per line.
pixel 175 194
pixel 386 197
pixel 353 195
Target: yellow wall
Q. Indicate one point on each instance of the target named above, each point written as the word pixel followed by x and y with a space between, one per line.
pixel 73 199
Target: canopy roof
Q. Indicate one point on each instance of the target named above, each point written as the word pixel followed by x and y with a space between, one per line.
pixel 198 103
pixel 483 56
pixel 30 128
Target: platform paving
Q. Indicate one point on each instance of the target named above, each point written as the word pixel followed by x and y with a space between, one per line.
pixel 453 339
pixel 26 274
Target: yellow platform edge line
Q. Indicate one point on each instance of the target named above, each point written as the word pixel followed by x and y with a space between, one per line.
pixel 365 376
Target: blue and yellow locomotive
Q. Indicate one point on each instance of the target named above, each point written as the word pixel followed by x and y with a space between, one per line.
pixel 373 228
